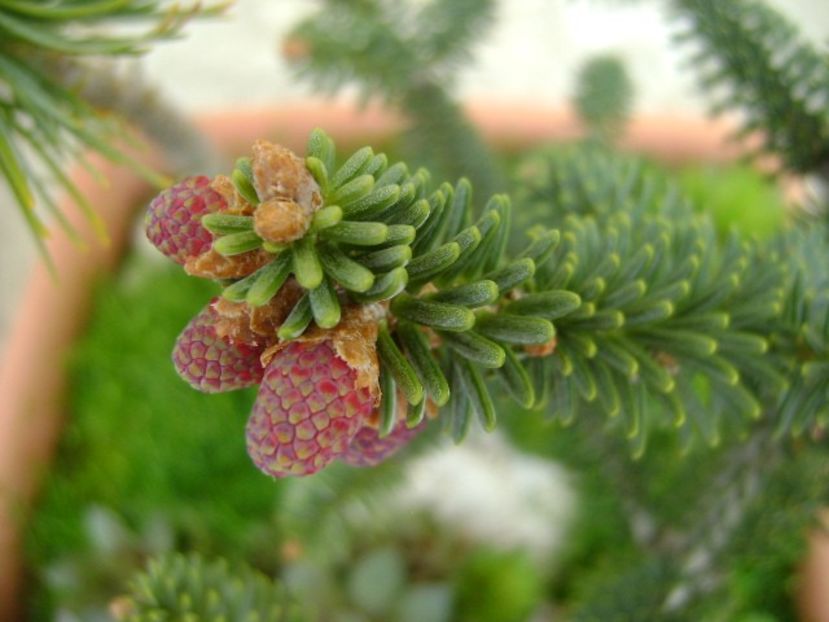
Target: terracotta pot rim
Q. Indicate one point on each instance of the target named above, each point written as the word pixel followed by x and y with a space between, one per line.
pixel 670 137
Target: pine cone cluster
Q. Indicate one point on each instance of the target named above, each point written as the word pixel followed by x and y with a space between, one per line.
pixel 319 390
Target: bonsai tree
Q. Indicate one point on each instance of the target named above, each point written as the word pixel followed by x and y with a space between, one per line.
pixel 372 301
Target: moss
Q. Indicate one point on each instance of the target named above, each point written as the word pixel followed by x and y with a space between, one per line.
pixel 140 442
pixel 494 586
pixel 735 196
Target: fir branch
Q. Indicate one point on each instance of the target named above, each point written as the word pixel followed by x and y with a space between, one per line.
pixel 43 122
pixel 663 298
pixel 799 336
pixel 788 373
pixel 447 29
pixel 634 308
pixel 632 593
pixel 404 55
pixel 781 83
pixel 178 587
pixel 748 467
pixel 604 96
pixel 697 572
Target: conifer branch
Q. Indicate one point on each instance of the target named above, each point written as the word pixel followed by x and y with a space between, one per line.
pixel 747 469
pixel 604 97
pixel 405 56
pixel 749 519
pixel 188 588
pixel 44 122
pixel 755 61
pixel 633 307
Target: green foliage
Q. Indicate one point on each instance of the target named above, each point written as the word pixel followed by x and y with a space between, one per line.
pixel 497 587
pixel 44 123
pixel 188 588
pixel 805 337
pixel 627 593
pixel 604 95
pixel 747 539
pixel 141 442
pixel 769 546
pixel 404 53
pixel 652 276
pixel 735 196
pixel 755 58
pixel 743 508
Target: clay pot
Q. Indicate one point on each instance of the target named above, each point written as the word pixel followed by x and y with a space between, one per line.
pixel 813 595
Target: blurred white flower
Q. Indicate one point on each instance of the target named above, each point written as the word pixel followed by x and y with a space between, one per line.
pixel 492 493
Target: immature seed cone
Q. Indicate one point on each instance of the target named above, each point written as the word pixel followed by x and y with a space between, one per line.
pixel 368 449
pixel 173 219
pixel 212 363
pixel 308 410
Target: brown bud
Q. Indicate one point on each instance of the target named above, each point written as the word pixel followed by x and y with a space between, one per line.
pixel 213 265
pixel 279 173
pixel 280 221
pixel 541 350
pixel 238 321
pixel 288 192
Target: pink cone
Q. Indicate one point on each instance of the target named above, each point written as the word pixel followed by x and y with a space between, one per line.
pixel 213 364
pixel 368 449
pixel 173 220
pixel 307 411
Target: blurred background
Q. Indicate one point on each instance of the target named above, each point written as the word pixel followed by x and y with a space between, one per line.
pixel 529 523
